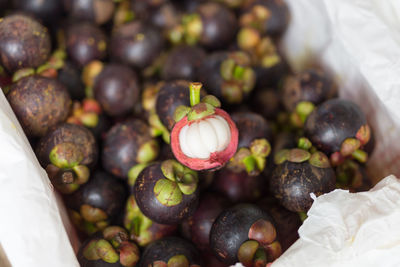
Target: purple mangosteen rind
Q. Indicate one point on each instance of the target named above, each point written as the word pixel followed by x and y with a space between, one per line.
pixel 293 181
pixel 239 231
pixel 24 43
pixel 163 250
pixel 126 145
pixel 96 11
pixel 167 192
pixel 141 229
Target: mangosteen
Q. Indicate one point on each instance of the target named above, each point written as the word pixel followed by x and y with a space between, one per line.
pixel 96 11
pixel 136 44
pixel 127 144
pixel 269 17
pixel 266 102
pixel 142 229
pixel 212 25
pixel 199 225
pixel 298 174
pixel 110 247
pixel 228 75
pixel 85 42
pixel 24 43
pixel 67 153
pixel 244 233
pixel 239 186
pixel 182 63
pixel 39 104
pixel 254 146
pixel 70 76
pixel 97 203
pixel 116 88
pixel 204 137
pixel 352 176
pixel 287 222
pixel 45 10
pixel 339 128
pixel 167 192
pixel 171 251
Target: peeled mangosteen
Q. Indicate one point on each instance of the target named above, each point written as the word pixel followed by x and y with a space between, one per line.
pixel 204 137
pixel 171 251
pixel 96 11
pixel 97 203
pixel 255 135
pixel 245 233
pixel 339 128
pixel 136 44
pixel 199 225
pixel 299 173
pixel 24 43
pixel 85 42
pixel 287 222
pixel 228 75
pixel 182 63
pixel 116 88
pixel 142 229
pixel 67 153
pixel 212 25
pixel 45 10
pixel 39 104
pixel 167 192
pixel 110 247
pixel 239 186
pixel 127 144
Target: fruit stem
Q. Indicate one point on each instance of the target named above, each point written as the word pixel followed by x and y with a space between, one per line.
pixel 195 93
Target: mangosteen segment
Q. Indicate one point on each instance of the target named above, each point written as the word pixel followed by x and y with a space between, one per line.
pixel 205 137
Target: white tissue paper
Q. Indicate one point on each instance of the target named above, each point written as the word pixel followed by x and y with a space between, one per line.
pixel 358 41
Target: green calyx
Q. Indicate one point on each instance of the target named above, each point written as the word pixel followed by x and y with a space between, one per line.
pixel 179 180
pixel 137 223
pixel 304 143
pixel 68 181
pixel 89 252
pixel 320 160
pixel 201 111
pixel 22 73
pixel 181 112
pixel 178 261
pixel 303 110
pixel 148 151
pixel 129 254
pixel 106 251
pixel 157 128
pixel 192 28
pixel 251 253
pixel 297 155
pixel 303 215
pixel 348 146
pixel 65 155
pixel 92 214
pixel 115 235
pixel 134 172
pixel 364 134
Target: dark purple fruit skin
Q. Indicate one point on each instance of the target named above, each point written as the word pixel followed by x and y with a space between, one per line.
pixel 96 11
pixel 182 63
pixel 46 10
pixel 117 89
pixel 121 145
pixel 136 44
pixel 39 104
pixel 219 25
pixel 170 96
pixel 209 73
pixel 271 76
pixel 291 183
pixel 166 248
pixel 239 186
pixel 251 126
pixel 85 42
pixel 3 5
pixel 332 122
pixel 150 206
pixel 70 76
pixel 266 102
pixel 94 263
pixel 24 43
pixel 231 229
pixel 68 133
pixel 287 223
pixel 199 225
pixel 311 85
pixel 102 191
pixel 277 23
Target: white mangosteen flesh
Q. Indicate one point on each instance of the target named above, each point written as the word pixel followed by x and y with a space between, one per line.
pixel 202 138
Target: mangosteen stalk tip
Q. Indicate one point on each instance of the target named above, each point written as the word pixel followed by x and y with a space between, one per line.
pixel 195 88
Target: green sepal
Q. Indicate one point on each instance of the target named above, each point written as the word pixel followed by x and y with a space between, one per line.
pixel 201 111
pixel 181 112
pixel 106 251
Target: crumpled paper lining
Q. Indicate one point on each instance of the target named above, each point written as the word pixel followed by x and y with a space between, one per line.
pixel 32 232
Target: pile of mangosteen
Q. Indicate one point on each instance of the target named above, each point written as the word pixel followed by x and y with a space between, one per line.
pixel 175 130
